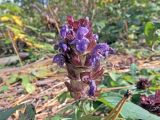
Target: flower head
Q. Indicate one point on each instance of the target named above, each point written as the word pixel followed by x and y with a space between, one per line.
pixel 82 56
pixel 151 102
pixel 143 83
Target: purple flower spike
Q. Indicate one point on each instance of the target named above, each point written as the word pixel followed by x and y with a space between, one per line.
pixel 59 59
pixel 81 32
pixel 80 53
pixel 63 31
pixel 92 89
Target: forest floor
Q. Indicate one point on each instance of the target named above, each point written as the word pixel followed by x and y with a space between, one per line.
pixel 50 84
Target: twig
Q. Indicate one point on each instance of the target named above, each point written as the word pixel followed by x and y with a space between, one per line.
pixel 56 23
pixel 20 100
pixel 51 102
pixel 115 88
pixel 15 47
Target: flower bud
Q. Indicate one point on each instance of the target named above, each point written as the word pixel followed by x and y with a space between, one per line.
pixel 143 84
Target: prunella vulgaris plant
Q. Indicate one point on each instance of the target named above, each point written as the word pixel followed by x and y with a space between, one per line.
pixel 82 56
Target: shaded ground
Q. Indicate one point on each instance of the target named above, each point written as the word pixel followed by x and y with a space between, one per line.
pixel 51 83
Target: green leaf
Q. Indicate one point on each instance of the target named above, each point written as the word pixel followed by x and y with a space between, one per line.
pixel 133 69
pixel 30 88
pixel 48 34
pixel 150 33
pixel 148 28
pixel 63 97
pixel 32 28
pixel 12 78
pixel 90 117
pixel 56 118
pixel 7 41
pixel 3 88
pixel 25 79
pixel 130 110
pixel 10 7
pixel 29 113
pixel 128 78
pixel 41 73
pixel 114 76
pixel 5 114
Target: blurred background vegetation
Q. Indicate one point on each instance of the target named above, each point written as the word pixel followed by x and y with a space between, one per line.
pixel 30 28
pixel 33 25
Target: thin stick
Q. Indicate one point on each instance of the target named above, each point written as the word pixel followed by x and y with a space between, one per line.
pixel 115 88
pixel 15 47
pixel 56 23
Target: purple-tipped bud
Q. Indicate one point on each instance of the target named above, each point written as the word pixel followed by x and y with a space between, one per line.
pixel 70 20
pixel 63 31
pixel 143 83
pixel 63 46
pixel 94 61
pixel 81 45
pixel 92 89
pixel 59 59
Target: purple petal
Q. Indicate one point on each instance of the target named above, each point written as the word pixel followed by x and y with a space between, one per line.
pixel 92 89
pixel 59 59
pixel 94 61
pixel 81 45
pixel 74 42
pixel 63 46
pixel 63 31
pixel 70 34
pixel 81 32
